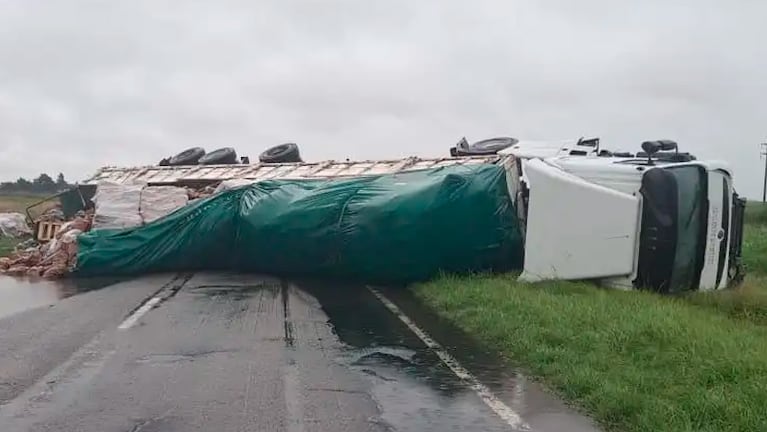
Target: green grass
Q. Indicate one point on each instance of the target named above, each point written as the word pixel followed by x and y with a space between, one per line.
pixel 7 245
pixel 17 203
pixel 749 301
pixel 756 212
pixel 755 248
pixel 635 361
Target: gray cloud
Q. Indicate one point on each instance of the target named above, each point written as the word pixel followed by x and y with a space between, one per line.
pixel 86 83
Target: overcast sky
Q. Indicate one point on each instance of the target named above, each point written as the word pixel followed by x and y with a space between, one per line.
pixel 89 83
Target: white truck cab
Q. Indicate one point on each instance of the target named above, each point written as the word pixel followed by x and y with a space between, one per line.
pixel 656 221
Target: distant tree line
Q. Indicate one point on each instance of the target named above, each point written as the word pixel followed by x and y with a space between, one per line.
pixel 43 184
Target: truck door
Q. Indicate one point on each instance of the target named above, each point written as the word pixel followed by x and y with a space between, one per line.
pixel 577 229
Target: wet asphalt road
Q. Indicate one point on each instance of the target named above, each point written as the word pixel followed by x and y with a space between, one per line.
pixel 247 353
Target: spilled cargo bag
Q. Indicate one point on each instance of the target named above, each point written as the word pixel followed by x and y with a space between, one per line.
pixel 393 228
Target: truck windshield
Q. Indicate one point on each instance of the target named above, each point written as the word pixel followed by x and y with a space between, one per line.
pixel 673 222
pixel 690 185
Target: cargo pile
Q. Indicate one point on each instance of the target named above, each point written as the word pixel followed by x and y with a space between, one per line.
pixel 193 194
pixel 117 206
pixel 52 259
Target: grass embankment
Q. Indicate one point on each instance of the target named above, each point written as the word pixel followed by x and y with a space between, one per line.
pixel 635 361
pixel 756 213
pixel 17 203
pixel 7 245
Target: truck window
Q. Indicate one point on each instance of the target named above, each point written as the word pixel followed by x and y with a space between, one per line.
pixel 690 182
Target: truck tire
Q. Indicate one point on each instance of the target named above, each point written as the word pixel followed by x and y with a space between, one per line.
pixel 222 156
pixel 490 146
pixel 482 148
pixel 187 157
pixel 283 153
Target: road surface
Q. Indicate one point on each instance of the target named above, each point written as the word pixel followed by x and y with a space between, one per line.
pixel 217 352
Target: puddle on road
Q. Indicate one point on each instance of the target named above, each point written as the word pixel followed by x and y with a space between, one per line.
pixel 415 390
pixel 231 291
pixel 172 359
pixel 20 294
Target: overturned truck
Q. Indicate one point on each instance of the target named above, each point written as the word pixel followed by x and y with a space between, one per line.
pixel 567 210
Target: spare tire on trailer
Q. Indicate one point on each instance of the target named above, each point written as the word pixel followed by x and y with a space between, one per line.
pixel 222 156
pixel 187 157
pixel 283 153
pixel 488 147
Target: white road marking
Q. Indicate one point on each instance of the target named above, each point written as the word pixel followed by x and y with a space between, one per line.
pixel 485 394
pixel 135 316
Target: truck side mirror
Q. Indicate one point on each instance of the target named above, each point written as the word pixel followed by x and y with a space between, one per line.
pixel 652 147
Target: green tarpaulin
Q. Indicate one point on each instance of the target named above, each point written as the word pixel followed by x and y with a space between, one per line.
pixel 393 228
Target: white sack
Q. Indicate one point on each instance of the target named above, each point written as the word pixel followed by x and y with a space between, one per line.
pixel 232 184
pixel 13 225
pixel 117 206
pixel 160 201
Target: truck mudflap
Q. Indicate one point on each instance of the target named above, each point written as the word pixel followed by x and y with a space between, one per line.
pixel 735 270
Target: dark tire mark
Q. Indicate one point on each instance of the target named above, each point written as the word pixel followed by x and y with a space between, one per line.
pixel 173 286
pixel 287 323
